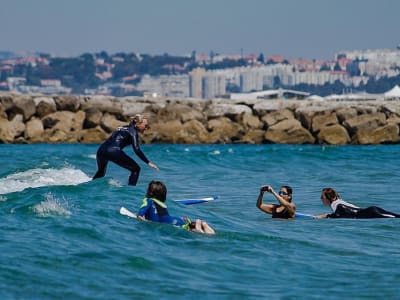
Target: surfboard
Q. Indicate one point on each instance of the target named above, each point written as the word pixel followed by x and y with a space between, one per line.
pixel 299 215
pixel 196 201
pixel 126 212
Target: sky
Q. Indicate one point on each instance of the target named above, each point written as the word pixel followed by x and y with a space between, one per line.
pixel 308 29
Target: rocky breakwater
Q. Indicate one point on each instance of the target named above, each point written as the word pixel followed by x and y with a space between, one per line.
pixel 90 119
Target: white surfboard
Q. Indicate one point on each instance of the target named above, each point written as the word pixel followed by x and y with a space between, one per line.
pixel 126 212
pixel 196 201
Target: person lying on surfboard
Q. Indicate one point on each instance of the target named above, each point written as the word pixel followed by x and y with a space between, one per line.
pixel 343 209
pixel 154 209
pixel 286 209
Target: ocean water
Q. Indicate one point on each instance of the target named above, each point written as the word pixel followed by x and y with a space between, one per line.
pixel 62 237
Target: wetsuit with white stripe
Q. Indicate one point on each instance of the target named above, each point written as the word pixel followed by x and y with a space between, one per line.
pixel 343 209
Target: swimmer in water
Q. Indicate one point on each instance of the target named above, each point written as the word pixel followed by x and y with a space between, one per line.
pixel 343 209
pixel 111 149
pixel 285 209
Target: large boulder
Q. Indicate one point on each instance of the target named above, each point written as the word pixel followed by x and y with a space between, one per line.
pixel 177 111
pixel 388 134
pixel 54 136
pixel 307 113
pixel 262 107
pixel 10 130
pixel 65 121
pixel 6 101
pixel 365 122
pixel 44 106
pixel 253 136
pixel 34 130
pixel 218 110
pixel 109 122
pixel 333 135
pixel 249 121
pixel 274 117
pixel 320 121
pixel 103 103
pixel 163 132
pixel 23 104
pixel 289 132
pixel 346 113
pixel 192 132
pixel 133 106
pixel 93 117
pixel 67 102
pixel 92 136
pixel 223 130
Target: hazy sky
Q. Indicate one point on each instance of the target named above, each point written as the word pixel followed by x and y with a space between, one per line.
pixel 292 28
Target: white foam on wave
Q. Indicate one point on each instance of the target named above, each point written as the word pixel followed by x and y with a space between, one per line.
pixel 92 156
pixel 114 182
pixel 216 152
pixel 41 177
pixel 52 206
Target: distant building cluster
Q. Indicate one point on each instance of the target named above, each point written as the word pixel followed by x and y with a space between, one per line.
pixel 352 68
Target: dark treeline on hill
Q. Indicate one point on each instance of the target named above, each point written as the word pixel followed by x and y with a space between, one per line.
pixel 87 71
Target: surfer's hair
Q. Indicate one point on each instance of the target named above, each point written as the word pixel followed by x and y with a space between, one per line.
pixel 136 119
pixel 330 194
pixel 157 189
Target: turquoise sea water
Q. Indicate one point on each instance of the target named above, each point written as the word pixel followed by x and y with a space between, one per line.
pixel 61 236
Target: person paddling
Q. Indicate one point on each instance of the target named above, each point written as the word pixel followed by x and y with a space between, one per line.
pixel 343 209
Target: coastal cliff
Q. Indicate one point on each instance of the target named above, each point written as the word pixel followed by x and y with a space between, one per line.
pixel 91 119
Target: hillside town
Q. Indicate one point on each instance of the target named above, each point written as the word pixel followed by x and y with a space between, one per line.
pixel 356 72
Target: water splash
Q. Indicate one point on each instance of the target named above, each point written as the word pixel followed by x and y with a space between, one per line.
pixel 52 206
pixel 41 177
pixel 114 182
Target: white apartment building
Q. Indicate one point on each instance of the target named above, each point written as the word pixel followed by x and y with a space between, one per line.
pixel 214 85
pixel 164 85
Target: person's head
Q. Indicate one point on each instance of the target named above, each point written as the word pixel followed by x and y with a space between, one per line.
pixel 286 192
pixel 157 189
pixel 329 195
pixel 140 122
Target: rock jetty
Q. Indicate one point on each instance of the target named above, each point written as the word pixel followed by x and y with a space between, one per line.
pixel 91 119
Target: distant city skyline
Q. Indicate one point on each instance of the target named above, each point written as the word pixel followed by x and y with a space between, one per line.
pixel 295 29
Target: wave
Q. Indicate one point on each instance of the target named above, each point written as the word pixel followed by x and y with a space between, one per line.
pixel 38 177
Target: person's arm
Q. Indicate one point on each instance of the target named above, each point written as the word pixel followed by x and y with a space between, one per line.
pixel 267 208
pixel 288 205
pixel 146 205
pixel 139 152
pixel 322 216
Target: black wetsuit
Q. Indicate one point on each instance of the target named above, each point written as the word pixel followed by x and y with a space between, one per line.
pixel 111 150
pixel 284 214
pixel 348 211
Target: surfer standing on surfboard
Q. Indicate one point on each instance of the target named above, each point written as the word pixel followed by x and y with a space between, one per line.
pixel 111 149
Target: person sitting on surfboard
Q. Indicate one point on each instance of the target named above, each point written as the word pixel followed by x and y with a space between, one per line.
pixel 154 209
pixel 111 149
pixel 285 209
pixel 343 209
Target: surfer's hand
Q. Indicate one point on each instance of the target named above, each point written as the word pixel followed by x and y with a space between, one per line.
pixel 265 188
pixel 150 164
